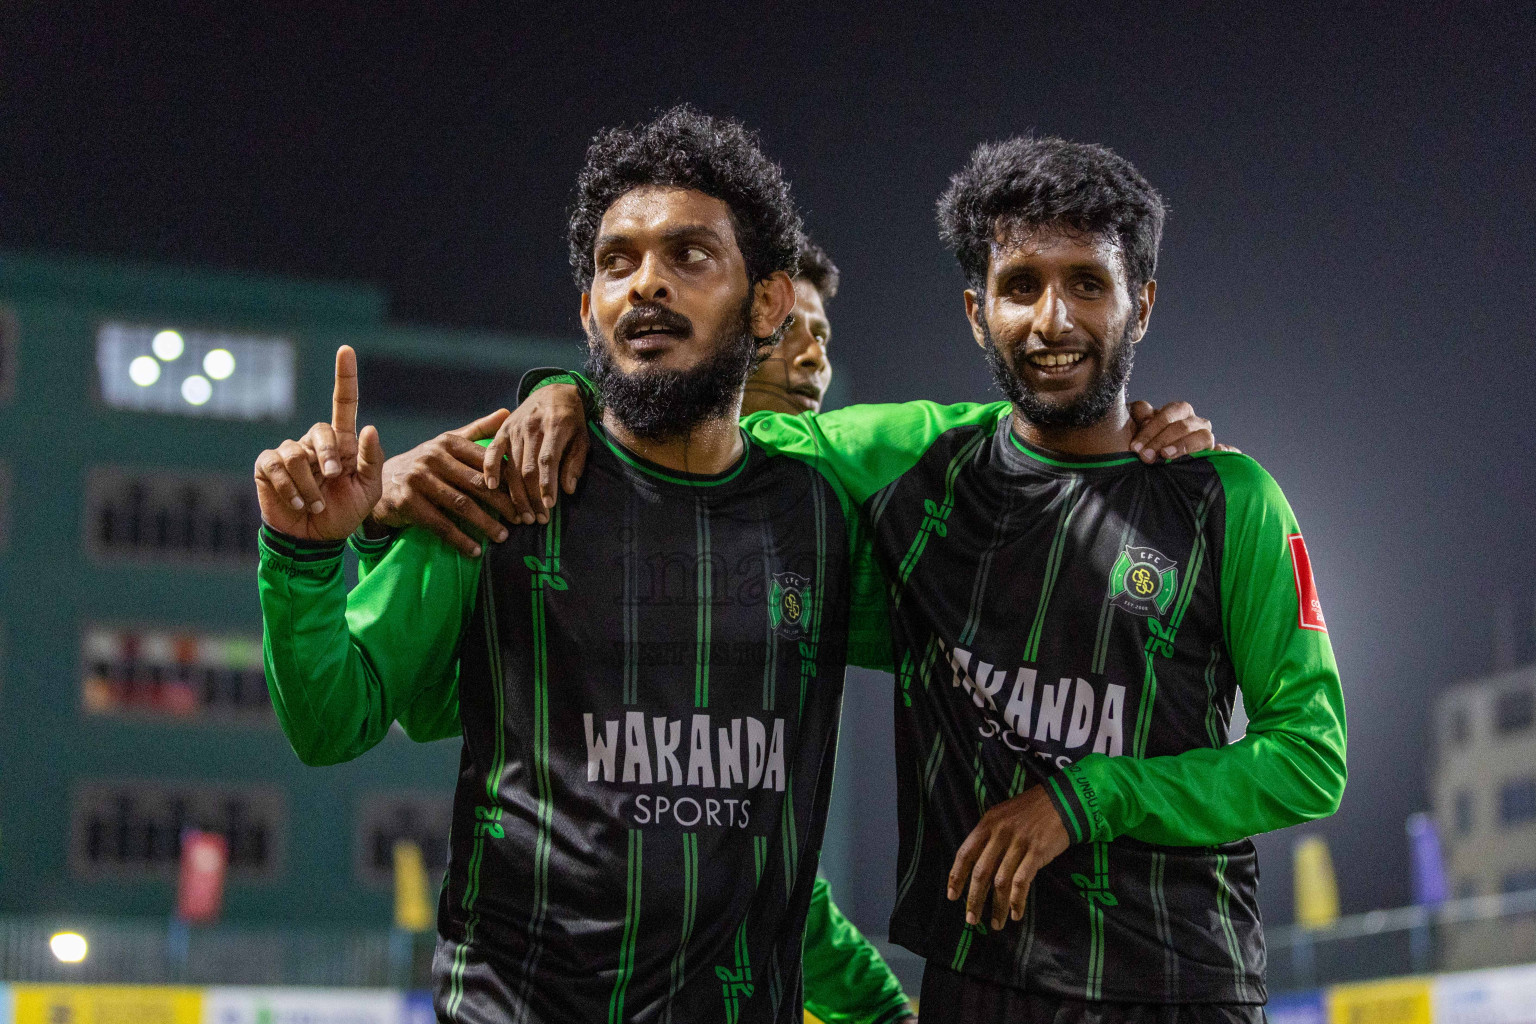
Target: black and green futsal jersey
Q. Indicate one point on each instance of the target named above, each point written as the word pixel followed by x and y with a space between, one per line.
pixel 1084 625
pixel 648 689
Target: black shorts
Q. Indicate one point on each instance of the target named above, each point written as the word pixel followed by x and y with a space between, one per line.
pixel 958 998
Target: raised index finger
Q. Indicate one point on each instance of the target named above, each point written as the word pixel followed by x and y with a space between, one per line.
pixel 344 398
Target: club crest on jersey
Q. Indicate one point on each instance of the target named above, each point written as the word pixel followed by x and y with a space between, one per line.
pixel 1143 581
pixel 789 605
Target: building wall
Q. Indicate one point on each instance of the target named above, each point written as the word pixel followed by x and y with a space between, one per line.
pixel 89 755
pixel 1484 793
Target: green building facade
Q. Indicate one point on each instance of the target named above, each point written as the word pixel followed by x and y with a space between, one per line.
pixel 132 704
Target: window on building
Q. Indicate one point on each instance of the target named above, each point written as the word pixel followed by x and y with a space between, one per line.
pixel 1460 726
pixel 1517 802
pixel 9 349
pixel 133 829
pixel 1514 710
pixel 1523 880
pixel 209 518
pixel 1462 808
pixel 386 818
pixel 168 369
pixel 173 674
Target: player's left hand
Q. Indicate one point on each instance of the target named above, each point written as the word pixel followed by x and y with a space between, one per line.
pixel 1005 850
pixel 1170 432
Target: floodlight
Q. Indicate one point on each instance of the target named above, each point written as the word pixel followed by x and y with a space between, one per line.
pixel 219 363
pixel 196 389
pixel 69 947
pixel 144 371
pixel 168 346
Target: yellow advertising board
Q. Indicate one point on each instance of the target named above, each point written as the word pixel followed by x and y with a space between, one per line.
pixel 1402 1001
pixel 107 1004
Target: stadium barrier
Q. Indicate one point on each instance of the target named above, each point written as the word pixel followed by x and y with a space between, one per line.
pixel 1496 930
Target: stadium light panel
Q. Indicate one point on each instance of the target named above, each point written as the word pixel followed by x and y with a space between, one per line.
pixel 133 378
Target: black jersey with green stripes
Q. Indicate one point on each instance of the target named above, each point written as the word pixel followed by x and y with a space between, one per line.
pixel 649 689
pixel 1046 609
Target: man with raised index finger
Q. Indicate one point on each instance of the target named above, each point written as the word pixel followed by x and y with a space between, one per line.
pixel 648 684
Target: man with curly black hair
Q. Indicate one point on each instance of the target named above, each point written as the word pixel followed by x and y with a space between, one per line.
pixel 648 685
pixel 1106 812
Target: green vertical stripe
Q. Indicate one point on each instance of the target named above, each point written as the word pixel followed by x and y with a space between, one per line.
pixel 492 790
pixel 1164 927
pixel 1095 986
pixel 790 838
pixel 930 773
pixel 1144 708
pixel 631 930
pixel 1212 726
pixel 963 947
pixel 631 602
pixel 935 523
pixel 1026 943
pixel 771 640
pixel 690 908
pixel 808 650
pixel 881 499
pixel 984 568
pixel 1224 910
pixel 980 783
pixel 1069 500
pixel 1107 610
pixel 544 811
pixel 1020 776
pixel 705 585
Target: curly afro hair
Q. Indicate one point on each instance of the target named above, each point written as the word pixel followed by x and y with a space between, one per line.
pixel 818 270
pixel 1027 183
pixel 685 148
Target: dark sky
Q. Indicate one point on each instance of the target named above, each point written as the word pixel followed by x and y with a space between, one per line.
pixel 1345 284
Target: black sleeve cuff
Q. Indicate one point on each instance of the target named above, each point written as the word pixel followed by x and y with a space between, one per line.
pixel 538 378
pixel 372 547
pixel 297 549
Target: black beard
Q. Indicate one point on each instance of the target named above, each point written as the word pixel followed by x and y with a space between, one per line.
pixel 1084 411
pixel 662 405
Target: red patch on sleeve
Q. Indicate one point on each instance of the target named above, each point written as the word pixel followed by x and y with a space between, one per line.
pixel 1306 586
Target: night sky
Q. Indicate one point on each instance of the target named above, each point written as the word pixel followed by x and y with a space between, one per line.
pixel 1345 285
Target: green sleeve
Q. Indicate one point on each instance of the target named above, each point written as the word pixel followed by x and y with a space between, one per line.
pixel 846 979
pixel 1289 767
pixel 343 668
pixel 866 447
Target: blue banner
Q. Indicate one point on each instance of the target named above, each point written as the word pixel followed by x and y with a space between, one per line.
pixel 415 1008
pixel 1429 885
pixel 1297 1008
